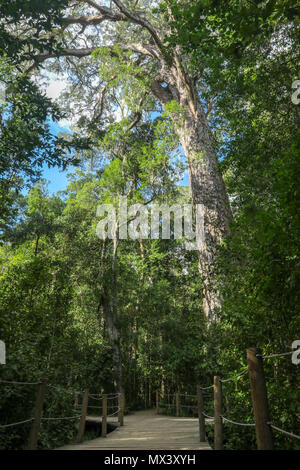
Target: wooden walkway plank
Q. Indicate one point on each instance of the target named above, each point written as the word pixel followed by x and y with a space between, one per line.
pixel 147 430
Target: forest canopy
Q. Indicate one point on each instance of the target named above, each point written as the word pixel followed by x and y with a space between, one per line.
pixel 169 102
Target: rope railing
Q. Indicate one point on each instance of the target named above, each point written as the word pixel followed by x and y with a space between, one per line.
pixel 258 394
pixel 37 420
pixel 290 434
pixel 235 376
pixel 61 388
pixel 61 418
pixel 262 424
pixel 97 399
pixel 206 388
pixel 235 422
pixel 207 416
pixel 275 355
pixel 255 368
pixel 99 396
pixel 19 383
pixel 113 414
pixel 16 424
pixel 186 395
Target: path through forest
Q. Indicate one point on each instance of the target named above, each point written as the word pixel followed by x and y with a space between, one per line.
pixel 147 430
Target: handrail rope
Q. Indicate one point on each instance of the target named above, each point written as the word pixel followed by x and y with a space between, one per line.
pixel 67 417
pixel 20 383
pixel 112 414
pixel 284 432
pixel 185 395
pixel 90 406
pixel 207 416
pixel 16 424
pixel 235 376
pixel 60 387
pixel 97 399
pixel 206 388
pixel 109 396
pixel 189 406
pixel 234 422
pixel 274 355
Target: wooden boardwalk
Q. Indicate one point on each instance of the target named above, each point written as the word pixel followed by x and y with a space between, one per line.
pixel 146 430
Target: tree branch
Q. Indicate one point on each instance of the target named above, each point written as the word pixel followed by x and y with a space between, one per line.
pixel 65 53
pixel 111 14
pixel 139 115
pixel 144 49
pixel 210 105
pixel 89 20
pixel 100 101
pixel 135 17
pixel 163 94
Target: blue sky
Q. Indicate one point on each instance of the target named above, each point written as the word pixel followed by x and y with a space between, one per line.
pixel 58 180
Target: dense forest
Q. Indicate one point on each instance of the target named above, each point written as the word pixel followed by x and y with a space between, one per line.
pixel 154 91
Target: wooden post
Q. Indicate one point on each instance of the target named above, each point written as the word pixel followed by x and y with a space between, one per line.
pixel 157 401
pixel 218 438
pixel 259 399
pixel 150 395
pixel 177 398
pixel 121 408
pixel 37 414
pixel 104 416
pixel 85 400
pixel 200 414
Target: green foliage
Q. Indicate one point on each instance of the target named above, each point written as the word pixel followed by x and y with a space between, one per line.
pixel 27 142
pixel 55 271
pixel 40 16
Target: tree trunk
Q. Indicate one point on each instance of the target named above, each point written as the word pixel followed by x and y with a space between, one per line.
pixel 113 334
pixel 206 183
pixel 109 302
pixel 208 189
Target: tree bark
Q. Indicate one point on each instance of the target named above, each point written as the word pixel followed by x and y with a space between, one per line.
pixel 206 183
pixel 113 334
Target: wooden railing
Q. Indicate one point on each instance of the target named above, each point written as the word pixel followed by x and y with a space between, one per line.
pixel 113 405
pixel 110 405
pixel 262 421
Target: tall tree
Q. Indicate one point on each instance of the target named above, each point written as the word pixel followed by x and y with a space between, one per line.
pixel 134 36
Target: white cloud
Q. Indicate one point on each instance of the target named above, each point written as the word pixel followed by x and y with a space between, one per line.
pixel 118 115
pixel 55 88
pixel 53 85
pixel 66 123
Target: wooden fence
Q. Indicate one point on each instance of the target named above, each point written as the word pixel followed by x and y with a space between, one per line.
pixel 262 420
pixel 107 406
